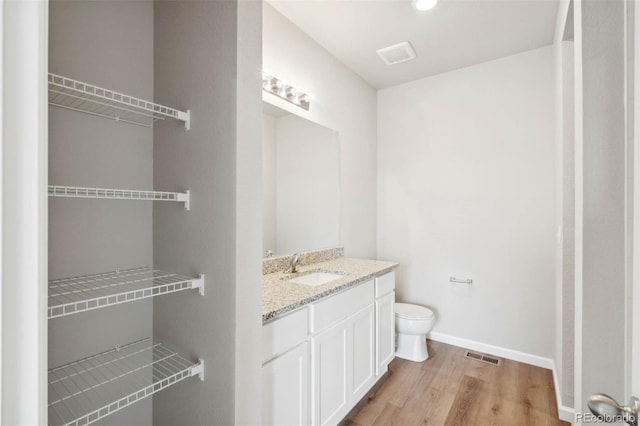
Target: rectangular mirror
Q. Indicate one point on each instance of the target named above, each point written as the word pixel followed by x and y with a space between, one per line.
pixel 300 183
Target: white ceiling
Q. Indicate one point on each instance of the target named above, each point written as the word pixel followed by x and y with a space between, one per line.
pixel 456 34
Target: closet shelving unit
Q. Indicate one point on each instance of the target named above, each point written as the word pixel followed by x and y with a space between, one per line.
pixel 90 389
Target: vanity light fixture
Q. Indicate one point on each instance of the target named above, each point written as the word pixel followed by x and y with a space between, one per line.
pixel 423 5
pixel 285 91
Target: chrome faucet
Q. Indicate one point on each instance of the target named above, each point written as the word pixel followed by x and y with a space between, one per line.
pixel 295 261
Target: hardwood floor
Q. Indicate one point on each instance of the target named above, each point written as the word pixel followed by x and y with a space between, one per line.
pixel 449 389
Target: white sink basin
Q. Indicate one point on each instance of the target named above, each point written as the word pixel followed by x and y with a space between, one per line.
pixel 316 278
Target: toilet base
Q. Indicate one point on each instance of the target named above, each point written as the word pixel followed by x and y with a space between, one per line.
pixel 412 347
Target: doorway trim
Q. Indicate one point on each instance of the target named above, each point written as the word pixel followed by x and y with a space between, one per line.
pixel 579 211
pixel 633 385
pixel 23 87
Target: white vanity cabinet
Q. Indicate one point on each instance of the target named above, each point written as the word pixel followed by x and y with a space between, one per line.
pixel 385 321
pixel 285 388
pixel 362 374
pixel 319 361
pixel 343 352
pixel 330 375
pixel 285 370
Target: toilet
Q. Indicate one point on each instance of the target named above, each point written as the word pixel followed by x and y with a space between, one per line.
pixel 413 322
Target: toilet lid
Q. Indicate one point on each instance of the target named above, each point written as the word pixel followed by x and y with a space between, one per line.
pixel 409 311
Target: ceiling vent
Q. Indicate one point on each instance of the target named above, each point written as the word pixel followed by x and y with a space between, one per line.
pixel 397 53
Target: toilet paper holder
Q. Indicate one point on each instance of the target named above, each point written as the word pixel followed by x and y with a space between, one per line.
pixel 460 280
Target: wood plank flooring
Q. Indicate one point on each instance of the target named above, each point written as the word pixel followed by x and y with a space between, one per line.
pixel 449 389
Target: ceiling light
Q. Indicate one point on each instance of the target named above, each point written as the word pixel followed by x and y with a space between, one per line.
pixel 422 5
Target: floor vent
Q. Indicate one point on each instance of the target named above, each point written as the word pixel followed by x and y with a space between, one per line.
pixel 484 358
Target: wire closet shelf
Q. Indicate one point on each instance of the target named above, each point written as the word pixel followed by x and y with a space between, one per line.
pixel 90 389
pixel 75 95
pixel 119 194
pixel 70 296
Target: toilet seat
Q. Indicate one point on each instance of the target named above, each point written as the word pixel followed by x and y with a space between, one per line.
pixel 413 312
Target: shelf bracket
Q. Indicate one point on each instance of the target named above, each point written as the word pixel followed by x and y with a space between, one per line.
pixel 185 197
pixel 199 370
pixel 199 284
pixel 186 117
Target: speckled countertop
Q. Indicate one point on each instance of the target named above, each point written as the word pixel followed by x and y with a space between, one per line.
pixel 281 296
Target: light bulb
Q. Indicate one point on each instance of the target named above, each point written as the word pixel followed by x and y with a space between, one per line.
pixel 423 5
pixel 290 92
pixel 266 81
pixel 304 99
pixel 276 85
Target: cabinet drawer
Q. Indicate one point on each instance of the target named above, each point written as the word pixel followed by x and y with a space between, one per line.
pixel 385 283
pixel 284 333
pixel 340 306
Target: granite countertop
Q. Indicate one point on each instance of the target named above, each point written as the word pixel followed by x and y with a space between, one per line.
pixel 281 296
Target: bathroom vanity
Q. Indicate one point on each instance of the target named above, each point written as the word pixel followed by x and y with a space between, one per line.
pixel 324 346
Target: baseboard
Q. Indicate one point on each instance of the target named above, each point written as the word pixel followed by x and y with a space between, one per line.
pixel 564 413
pixel 567 414
pixel 524 357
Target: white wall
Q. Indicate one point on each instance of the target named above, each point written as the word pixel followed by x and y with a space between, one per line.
pixel 219 161
pixel 341 101
pixel 248 223
pixel 466 188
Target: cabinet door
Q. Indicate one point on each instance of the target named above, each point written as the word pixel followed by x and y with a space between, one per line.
pixel 362 372
pixel 285 388
pixel 385 332
pixel 330 393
